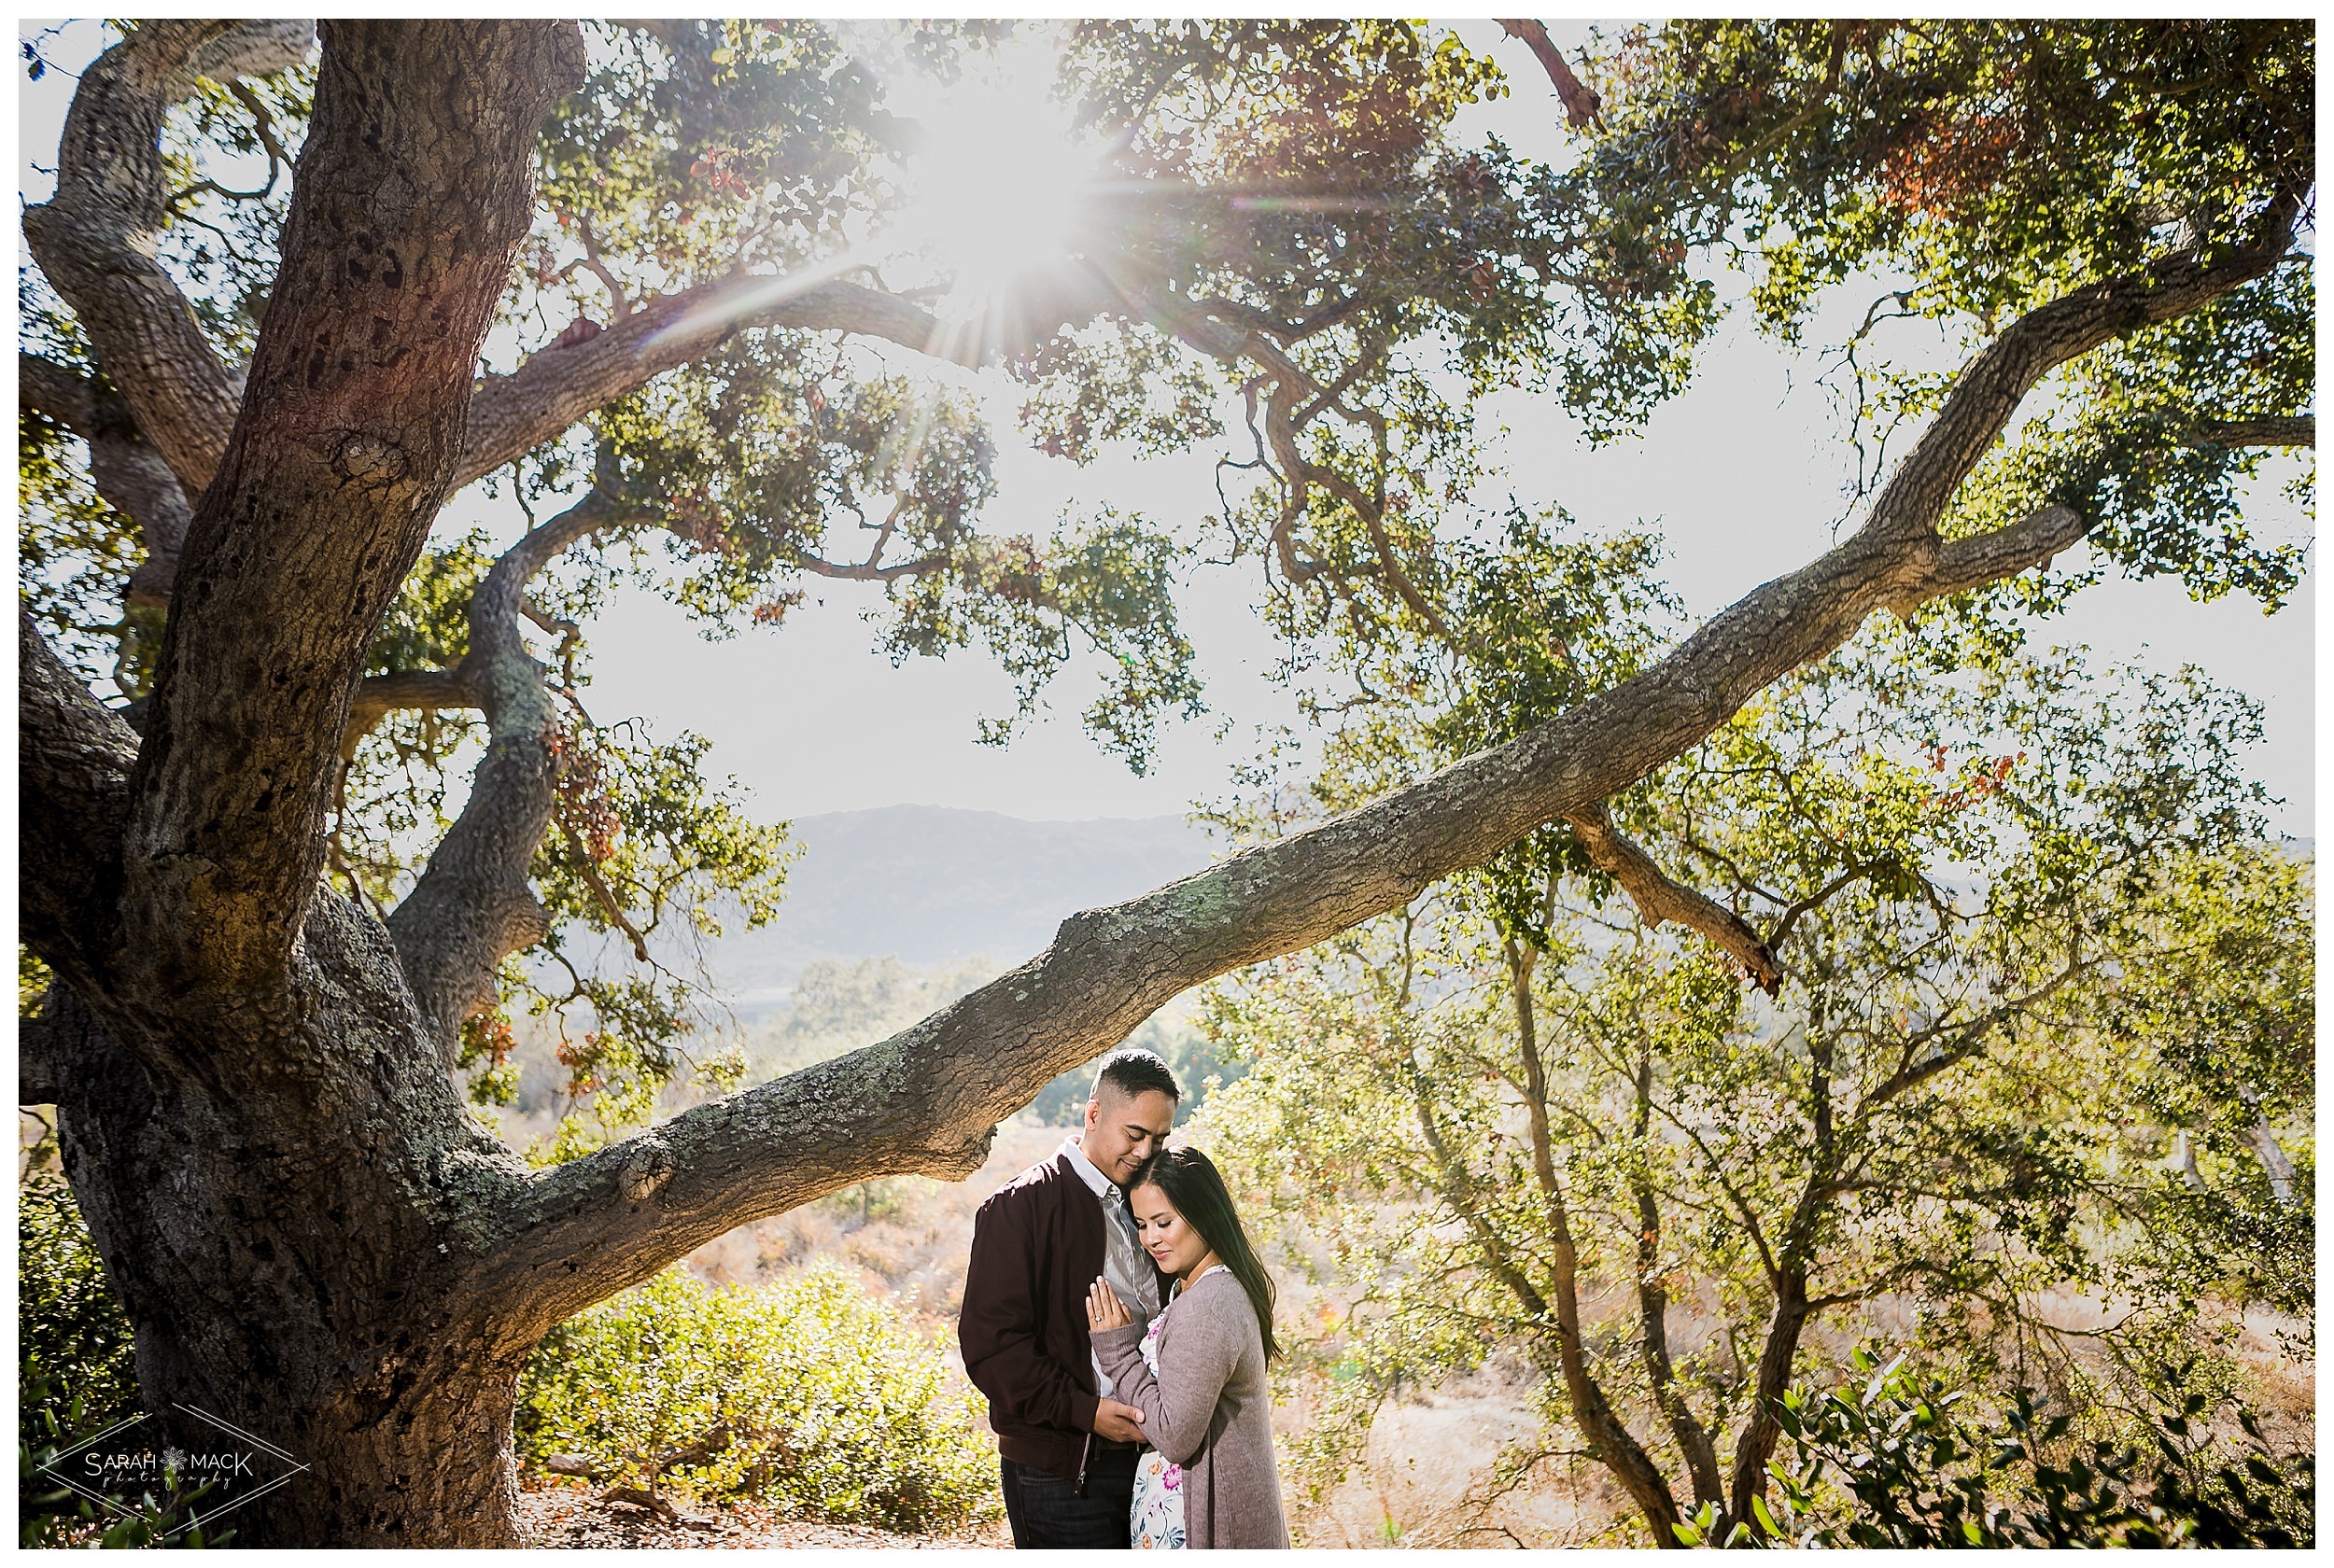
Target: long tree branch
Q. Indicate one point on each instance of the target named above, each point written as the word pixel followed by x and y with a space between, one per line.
pixel 2267 430
pixel 128 474
pixel 96 239
pixel 513 415
pixel 1580 104
pixel 342 454
pixel 928 1098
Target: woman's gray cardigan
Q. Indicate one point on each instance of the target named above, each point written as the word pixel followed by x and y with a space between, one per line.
pixel 1209 1410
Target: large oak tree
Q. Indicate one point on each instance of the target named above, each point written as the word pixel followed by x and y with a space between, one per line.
pixel 258 1016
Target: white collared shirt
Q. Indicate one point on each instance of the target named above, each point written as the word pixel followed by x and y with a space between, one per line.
pixel 1123 1265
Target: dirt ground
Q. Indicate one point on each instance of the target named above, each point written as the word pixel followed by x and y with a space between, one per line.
pixel 579 1516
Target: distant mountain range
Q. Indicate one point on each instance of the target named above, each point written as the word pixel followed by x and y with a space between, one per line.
pixel 934 885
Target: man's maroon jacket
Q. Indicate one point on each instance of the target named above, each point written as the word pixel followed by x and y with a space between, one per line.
pixel 1037 1246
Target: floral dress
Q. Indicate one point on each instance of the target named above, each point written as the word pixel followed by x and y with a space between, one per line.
pixel 1155 1521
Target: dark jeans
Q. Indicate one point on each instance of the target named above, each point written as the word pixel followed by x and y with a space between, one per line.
pixel 1045 1512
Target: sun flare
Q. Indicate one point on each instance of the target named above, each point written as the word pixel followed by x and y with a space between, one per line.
pixel 997 192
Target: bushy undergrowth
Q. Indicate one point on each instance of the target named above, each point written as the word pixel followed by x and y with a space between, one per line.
pixel 70 1331
pixel 76 1375
pixel 1908 1463
pixel 808 1393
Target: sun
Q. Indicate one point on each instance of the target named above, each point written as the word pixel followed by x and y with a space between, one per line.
pixel 1002 200
pixel 998 194
pixel 999 190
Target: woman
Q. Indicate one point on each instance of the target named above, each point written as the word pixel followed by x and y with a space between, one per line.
pixel 1198 1373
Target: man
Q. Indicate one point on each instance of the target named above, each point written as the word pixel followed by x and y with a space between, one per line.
pixel 1066 1449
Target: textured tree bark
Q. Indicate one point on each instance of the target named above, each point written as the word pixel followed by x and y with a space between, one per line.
pixel 296 1252
pixel 272 1158
pixel 473 906
pixel 411 193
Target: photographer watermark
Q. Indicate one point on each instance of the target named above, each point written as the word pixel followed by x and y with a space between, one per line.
pixel 125 1470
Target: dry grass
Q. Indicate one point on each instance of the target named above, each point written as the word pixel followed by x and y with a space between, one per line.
pixel 908 1236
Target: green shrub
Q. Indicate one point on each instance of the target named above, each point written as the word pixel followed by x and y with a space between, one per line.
pixel 810 1394
pixel 76 1375
pixel 51 1514
pixel 1903 1462
pixel 71 1333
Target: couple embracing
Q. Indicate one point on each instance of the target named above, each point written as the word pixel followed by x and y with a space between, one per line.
pixel 1119 1323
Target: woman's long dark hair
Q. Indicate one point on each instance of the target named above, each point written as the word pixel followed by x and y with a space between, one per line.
pixel 1196 1190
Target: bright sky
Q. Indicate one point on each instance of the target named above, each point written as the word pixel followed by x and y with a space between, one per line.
pixel 1743 475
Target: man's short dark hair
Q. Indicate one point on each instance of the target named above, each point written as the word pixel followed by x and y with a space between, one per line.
pixel 1133 1071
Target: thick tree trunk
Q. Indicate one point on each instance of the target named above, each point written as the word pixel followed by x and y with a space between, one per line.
pixel 295 1256
pixel 291 1200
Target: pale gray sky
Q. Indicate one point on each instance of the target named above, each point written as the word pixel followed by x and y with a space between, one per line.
pixel 1743 475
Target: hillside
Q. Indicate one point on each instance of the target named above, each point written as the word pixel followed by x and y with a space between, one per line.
pixel 933 885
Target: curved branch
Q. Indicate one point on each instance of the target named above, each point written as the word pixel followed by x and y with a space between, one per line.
pixel 1296 473
pixel 1658 899
pixel 128 474
pixel 1282 420
pixel 473 906
pixel 1582 106
pixel 1990 386
pixel 96 237
pixel 513 415
pixel 609 904
pixel 1373 519
pixel 414 189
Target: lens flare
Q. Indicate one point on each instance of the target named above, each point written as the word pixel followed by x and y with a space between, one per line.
pixel 999 192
